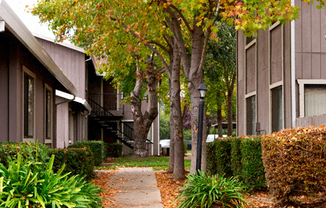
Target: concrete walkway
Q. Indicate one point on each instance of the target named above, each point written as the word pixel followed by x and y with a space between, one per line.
pixel 138 188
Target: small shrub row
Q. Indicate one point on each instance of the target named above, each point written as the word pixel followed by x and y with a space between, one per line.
pixel 99 149
pixel 30 151
pixel 77 160
pixel 295 162
pixel 240 157
pixel 115 149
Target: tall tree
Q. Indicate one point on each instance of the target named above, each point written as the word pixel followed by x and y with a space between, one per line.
pixel 220 69
pixel 190 22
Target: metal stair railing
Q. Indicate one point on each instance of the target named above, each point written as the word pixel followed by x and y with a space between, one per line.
pixel 99 112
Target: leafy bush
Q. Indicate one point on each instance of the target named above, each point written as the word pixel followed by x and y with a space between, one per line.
pixel 28 184
pixel 295 162
pixel 223 156
pixel 99 149
pixel 30 151
pixel 236 166
pixel 252 167
pixel 115 149
pixel 239 157
pixel 78 161
pixel 204 190
pixel 211 158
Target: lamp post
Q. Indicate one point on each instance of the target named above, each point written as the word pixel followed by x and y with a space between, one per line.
pixel 202 92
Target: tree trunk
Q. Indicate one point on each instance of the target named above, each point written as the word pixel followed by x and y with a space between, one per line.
pixel 176 163
pixel 143 122
pixel 171 156
pixel 230 89
pixel 175 110
pixel 230 125
pixel 219 122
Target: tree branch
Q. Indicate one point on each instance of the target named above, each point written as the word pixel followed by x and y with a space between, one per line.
pixel 159 45
pixel 144 42
pixel 183 18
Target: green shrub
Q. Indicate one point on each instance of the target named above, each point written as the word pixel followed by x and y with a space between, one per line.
pixel 115 149
pixel 252 174
pixel 223 156
pixel 30 151
pixel 28 184
pixel 295 162
pixel 204 190
pixel 78 161
pixel 211 158
pixel 98 148
pixel 236 166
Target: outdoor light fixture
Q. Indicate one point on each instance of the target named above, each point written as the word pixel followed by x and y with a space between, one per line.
pixel 202 92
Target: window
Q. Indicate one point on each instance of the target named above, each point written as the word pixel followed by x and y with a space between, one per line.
pixel 48 114
pixel 277 109
pixel 128 130
pixel 314 99
pixel 29 104
pixel 251 115
pixel 312 94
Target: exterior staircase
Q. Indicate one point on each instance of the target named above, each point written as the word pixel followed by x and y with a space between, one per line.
pixel 110 122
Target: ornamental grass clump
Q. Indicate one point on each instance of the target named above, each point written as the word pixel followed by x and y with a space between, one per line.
pixel 203 191
pixel 28 184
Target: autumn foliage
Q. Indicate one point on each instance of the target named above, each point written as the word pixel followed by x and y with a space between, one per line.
pixel 295 162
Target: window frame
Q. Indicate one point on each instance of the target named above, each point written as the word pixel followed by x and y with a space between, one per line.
pixel 301 83
pixel 249 95
pixel 272 87
pixel 32 75
pixel 46 140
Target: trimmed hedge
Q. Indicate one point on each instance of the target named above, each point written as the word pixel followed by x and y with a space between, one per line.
pixel 239 157
pixel 211 158
pixel 35 152
pixel 295 162
pixel 236 157
pixel 223 156
pixel 99 149
pixel 252 168
pixel 78 161
pixel 115 149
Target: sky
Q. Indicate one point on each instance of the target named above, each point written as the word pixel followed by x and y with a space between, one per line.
pixel 32 22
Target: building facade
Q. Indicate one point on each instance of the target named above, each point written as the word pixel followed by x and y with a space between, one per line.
pixel 28 81
pixel 281 75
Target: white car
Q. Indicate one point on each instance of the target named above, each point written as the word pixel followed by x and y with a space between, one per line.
pixel 165 143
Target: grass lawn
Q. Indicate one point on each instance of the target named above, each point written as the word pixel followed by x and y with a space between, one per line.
pixel 157 163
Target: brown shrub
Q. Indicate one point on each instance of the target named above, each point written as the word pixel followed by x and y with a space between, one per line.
pixel 295 162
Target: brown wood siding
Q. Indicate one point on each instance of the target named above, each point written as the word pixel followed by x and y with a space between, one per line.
pixel 251 69
pixel 262 94
pixel 4 107
pixel 15 96
pixel 241 111
pixel 71 62
pixel 240 83
pixel 287 77
pixel 276 54
pixel 311 121
pixel 310 42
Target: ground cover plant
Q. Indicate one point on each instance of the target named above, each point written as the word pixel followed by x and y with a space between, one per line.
pixel 203 190
pixel 28 184
pixel 157 163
